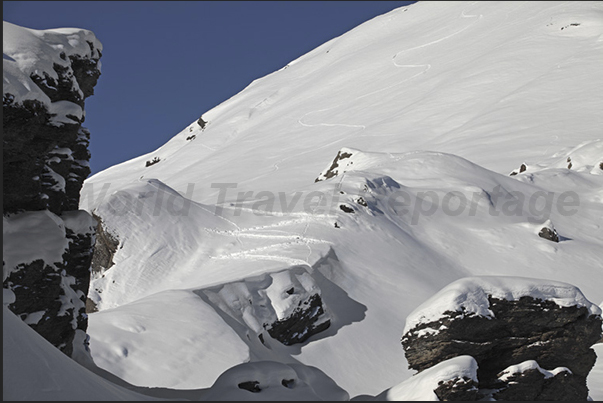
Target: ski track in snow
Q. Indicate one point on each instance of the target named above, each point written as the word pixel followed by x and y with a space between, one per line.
pixel 276 168
pixel 296 239
pixel 291 239
pixel 426 67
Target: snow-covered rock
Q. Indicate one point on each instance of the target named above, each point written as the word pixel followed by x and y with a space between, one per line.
pixel 527 381
pixel 47 248
pixel 267 380
pixel 286 305
pixel 452 379
pixel 509 325
pixel 47 75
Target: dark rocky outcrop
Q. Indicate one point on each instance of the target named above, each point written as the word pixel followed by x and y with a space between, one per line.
pixel 45 162
pixel 104 248
pixel 51 296
pixel 534 385
pixel 522 168
pixel 332 171
pixel 44 165
pixel 549 234
pixel 152 162
pixel 459 389
pixel 362 202
pixel 520 330
pixel 252 386
pixel 301 324
pixel 346 209
pixel 201 123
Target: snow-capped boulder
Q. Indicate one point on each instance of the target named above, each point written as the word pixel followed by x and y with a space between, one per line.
pixel 506 321
pixel 453 379
pixel 528 381
pixel 286 304
pixel 548 233
pixel 522 168
pixel 48 242
pixel 269 380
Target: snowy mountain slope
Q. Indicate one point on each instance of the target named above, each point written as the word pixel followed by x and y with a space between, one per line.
pixel 484 86
pixel 513 61
pixel 380 257
pixel 59 378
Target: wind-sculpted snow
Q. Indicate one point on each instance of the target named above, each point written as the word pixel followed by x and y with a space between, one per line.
pixel 417 120
pixel 267 380
pixel 285 305
pixel 406 208
pixel 135 339
pixel 59 378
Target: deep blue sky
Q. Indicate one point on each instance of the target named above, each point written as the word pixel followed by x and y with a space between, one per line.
pixel 167 62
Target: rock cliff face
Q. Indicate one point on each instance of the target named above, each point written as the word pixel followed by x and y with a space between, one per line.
pixel 48 242
pixel 518 337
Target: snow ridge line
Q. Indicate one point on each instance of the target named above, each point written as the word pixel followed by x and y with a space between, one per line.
pixel 303 215
pixel 203 208
pixel 289 261
pixel 268 236
pixel 248 252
